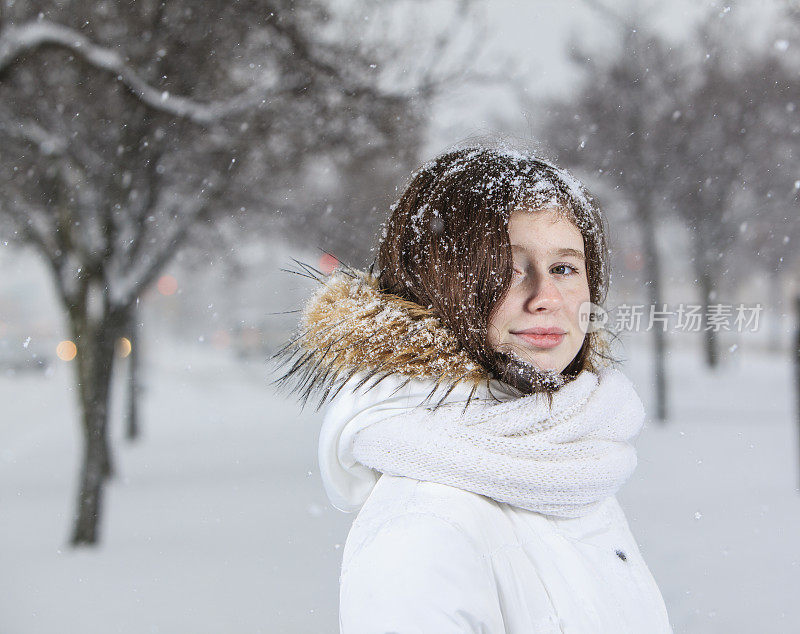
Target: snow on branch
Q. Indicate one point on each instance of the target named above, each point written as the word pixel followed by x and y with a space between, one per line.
pixel 16 40
pixel 49 144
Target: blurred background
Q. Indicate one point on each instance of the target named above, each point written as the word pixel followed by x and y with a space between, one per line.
pixel 163 163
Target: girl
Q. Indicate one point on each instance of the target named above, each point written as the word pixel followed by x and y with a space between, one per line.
pixel 476 421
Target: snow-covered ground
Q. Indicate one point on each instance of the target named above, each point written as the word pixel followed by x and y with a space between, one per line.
pixel 218 522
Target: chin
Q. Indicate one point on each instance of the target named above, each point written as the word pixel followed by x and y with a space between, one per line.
pixel 542 359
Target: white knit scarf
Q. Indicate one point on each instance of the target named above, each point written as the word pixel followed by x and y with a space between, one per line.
pixel 561 461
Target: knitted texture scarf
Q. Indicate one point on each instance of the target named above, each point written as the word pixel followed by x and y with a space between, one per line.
pixel 560 458
pixel 559 461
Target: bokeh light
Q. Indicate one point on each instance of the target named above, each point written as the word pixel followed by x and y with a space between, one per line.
pixel 167 285
pixel 66 350
pixel 123 347
pixel 328 263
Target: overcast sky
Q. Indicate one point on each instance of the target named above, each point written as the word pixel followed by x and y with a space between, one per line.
pixel 536 33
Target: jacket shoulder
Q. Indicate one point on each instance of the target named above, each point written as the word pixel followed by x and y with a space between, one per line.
pixel 396 496
pixel 407 568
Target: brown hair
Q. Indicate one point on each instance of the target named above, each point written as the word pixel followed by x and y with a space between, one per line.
pixel 446 245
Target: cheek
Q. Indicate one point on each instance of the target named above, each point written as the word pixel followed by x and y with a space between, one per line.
pixel 575 298
pixel 578 293
pixel 498 324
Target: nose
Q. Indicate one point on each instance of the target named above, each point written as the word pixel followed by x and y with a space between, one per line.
pixel 544 295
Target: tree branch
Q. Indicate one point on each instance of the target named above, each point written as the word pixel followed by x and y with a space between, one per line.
pixel 16 40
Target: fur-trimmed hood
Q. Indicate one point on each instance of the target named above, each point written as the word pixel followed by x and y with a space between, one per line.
pixel 350 326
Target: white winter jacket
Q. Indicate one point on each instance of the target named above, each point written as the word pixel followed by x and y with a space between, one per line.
pixel 427 557
pixel 424 556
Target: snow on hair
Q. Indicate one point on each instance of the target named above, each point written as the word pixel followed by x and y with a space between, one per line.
pixel 446 244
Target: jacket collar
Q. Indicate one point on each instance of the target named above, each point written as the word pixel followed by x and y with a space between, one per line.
pixel 349 326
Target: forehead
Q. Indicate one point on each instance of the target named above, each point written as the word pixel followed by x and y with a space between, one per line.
pixel 543 230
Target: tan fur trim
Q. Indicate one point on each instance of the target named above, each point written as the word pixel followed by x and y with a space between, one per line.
pixel 349 325
pixel 351 316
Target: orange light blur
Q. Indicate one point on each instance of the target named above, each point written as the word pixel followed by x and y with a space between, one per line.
pixel 123 347
pixel 167 285
pixel 66 350
pixel 328 263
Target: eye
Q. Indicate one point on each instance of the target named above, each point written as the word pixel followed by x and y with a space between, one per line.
pixel 564 266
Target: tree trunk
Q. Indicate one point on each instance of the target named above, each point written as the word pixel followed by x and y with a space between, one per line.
pixel 95 343
pixel 774 338
pixel 705 276
pixel 652 269
pixel 797 357
pixel 710 335
pixel 132 428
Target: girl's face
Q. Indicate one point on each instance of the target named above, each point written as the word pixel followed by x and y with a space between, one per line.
pixel 548 288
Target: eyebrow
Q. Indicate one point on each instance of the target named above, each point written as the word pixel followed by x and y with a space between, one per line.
pixel 563 252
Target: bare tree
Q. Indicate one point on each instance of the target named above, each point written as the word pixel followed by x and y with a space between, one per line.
pixel 122 144
pixel 420 62
pixel 725 147
pixel 769 227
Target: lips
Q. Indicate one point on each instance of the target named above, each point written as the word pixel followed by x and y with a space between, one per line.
pixel 541 337
pixel 540 331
